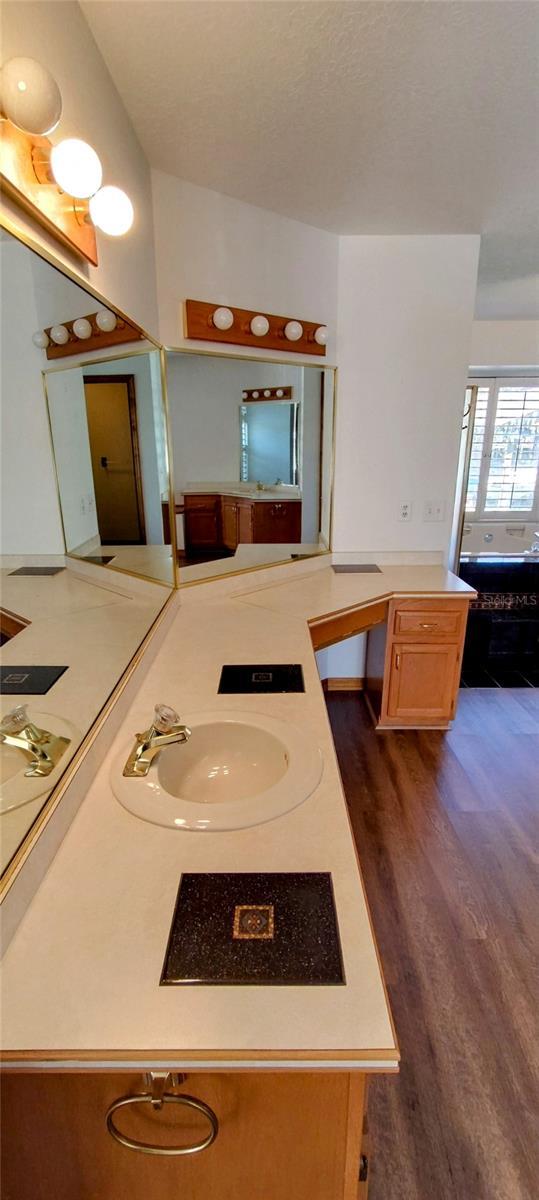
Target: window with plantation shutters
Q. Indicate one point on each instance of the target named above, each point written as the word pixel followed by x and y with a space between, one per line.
pixel 504 459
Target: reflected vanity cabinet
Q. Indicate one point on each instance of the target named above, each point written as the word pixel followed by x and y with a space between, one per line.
pixel 414 661
pixel 220 522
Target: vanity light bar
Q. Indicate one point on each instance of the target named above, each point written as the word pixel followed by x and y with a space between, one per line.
pixel 255 395
pixel 245 327
pixel 97 330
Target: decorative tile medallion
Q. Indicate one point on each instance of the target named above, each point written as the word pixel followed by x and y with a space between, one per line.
pixel 267 928
pixel 253 921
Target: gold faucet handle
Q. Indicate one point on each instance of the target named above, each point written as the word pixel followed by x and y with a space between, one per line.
pixel 165 718
pixel 15 721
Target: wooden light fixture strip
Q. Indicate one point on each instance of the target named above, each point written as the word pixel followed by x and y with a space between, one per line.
pixel 248 396
pixel 124 332
pixel 23 159
pixel 199 325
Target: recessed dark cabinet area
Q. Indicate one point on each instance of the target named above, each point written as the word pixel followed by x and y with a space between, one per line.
pixel 502 638
pixel 254 928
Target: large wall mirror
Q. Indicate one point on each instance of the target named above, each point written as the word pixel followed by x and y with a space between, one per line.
pixel 252 453
pixel 86 566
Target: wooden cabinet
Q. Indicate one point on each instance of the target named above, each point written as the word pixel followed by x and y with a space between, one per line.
pixel 221 522
pixel 277 522
pixel 413 663
pixel 422 681
pixel 291 1135
pixel 202 523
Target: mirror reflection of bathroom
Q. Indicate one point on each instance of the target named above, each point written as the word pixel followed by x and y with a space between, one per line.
pixel 68 628
pixel 252 448
pixel 109 443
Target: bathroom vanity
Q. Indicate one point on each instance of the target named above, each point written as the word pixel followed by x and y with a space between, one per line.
pixel 281 1068
pixel 220 521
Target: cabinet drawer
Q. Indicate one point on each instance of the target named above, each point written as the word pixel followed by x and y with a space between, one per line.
pixel 435 624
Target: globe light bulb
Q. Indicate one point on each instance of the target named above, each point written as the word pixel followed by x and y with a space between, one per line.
pixel 112 211
pixel 293 331
pixel 267 392
pixel 321 335
pixel 223 319
pixel 255 395
pixel 59 335
pixel 40 339
pixel 82 328
pixel 279 393
pixel 106 320
pixel 259 326
pixel 76 168
pixel 29 96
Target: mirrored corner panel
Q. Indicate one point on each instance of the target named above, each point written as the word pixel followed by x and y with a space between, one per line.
pixel 252 453
pixel 86 561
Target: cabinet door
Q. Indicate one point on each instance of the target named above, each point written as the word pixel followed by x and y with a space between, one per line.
pixel 229 516
pixel 201 527
pixel 278 521
pixel 423 681
pixel 245 522
pixel 288 1136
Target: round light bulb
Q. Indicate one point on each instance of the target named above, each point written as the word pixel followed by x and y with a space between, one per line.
pixel 293 331
pixel 111 210
pixel 244 395
pixel 76 168
pixel 82 328
pixel 279 393
pixel 223 319
pixel 40 339
pixel 255 395
pixel 29 96
pixel 267 392
pixel 321 335
pixel 59 335
pixel 106 320
pixel 259 326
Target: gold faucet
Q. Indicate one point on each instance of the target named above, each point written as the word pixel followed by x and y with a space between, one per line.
pixel 165 730
pixel 44 749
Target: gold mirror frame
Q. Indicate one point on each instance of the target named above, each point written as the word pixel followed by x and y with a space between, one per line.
pixel 51 803
pixel 254 358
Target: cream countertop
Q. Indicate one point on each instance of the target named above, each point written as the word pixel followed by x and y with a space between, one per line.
pixel 82 972
pixel 92 624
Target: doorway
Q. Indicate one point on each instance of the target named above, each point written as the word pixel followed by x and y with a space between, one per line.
pixel 114 447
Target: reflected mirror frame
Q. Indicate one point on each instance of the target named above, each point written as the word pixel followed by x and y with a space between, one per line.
pixel 279 362
pixel 51 802
pixel 92 362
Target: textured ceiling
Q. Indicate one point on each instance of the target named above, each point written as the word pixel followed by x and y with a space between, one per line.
pixel 378 117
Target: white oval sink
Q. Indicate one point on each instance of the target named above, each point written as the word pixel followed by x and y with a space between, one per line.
pixel 237 769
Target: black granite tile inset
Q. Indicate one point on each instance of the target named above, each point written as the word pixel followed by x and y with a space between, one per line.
pixel 356 568
pixel 241 928
pixel 28 681
pixel 261 677
pixel 100 559
pixel 37 571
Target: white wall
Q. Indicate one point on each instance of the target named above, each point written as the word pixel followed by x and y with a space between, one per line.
pixel 69 424
pixel 146 381
pixel 211 247
pixel 30 514
pixel 58 35
pixel 505 344
pixel 405 317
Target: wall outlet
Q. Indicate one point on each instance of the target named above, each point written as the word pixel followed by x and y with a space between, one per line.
pixel 434 510
pixel 405 512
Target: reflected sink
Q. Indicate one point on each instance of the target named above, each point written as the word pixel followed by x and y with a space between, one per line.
pixel 238 769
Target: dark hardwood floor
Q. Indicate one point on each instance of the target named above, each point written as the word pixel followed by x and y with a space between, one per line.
pixel 446 829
